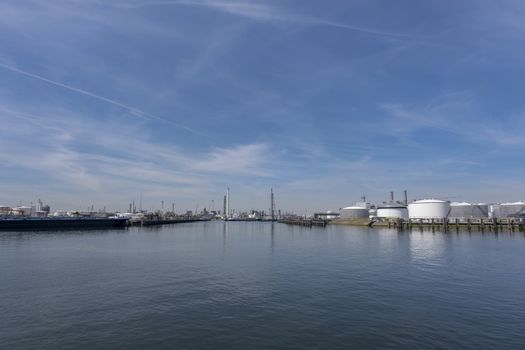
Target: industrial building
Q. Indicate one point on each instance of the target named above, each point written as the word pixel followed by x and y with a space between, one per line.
pixel 5 210
pixel 329 215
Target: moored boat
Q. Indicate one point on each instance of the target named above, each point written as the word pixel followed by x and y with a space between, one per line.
pixel 35 223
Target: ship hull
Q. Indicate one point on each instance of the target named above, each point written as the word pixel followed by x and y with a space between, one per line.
pixel 62 223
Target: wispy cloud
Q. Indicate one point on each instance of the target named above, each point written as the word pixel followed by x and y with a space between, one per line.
pixel 455 113
pixel 132 110
pixel 237 160
pixel 264 12
pixel 91 157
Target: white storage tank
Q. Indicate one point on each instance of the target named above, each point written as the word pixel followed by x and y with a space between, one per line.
pixel 429 209
pixel 354 213
pixel 468 210
pixel 506 210
pixel 392 210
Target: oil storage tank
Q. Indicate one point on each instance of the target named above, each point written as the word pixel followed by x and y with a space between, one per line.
pixel 507 210
pixel 428 209
pixel 392 210
pixel 354 212
pixel 468 210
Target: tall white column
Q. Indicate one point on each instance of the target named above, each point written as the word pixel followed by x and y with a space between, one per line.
pixel 228 203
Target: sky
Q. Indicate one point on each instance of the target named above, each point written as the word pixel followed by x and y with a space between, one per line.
pixel 323 101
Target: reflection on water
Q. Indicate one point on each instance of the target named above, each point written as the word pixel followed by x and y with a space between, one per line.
pixel 261 285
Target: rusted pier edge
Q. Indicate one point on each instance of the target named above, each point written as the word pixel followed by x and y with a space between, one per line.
pixel 162 222
pixel 303 222
pixel 455 223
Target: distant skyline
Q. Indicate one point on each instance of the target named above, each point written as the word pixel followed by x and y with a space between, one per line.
pixel 325 101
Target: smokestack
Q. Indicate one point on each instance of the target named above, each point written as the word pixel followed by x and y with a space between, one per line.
pixel 392 196
pixel 406 197
pixel 272 205
pixel 228 203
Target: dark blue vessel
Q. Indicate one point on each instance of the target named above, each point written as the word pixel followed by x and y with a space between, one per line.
pixel 60 223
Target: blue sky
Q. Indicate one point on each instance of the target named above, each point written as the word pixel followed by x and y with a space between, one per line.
pixel 325 101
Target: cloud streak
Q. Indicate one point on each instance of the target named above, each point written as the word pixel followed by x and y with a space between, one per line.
pixel 263 12
pixel 83 153
pixel 133 110
pixel 454 114
pixel 237 160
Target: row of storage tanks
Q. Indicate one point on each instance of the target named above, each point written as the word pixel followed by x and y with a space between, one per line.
pixel 434 209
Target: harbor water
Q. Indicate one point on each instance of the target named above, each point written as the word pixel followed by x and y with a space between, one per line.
pixel 250 285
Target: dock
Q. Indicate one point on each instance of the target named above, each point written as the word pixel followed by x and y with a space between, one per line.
pixel 447 224
pixel 303 222
pixel 163 222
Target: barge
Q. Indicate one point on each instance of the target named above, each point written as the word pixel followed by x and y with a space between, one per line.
pixel 60 223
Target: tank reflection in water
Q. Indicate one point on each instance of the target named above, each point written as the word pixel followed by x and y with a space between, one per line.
pixel 252 285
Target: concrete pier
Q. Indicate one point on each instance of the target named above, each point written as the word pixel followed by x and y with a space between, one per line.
pixel 445 224
pixel 303 222
pixel 458 223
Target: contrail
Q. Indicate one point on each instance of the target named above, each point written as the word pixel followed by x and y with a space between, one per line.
pixel 260 12
pixel 135 111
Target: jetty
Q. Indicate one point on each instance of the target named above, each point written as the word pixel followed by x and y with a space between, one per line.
pixel 303 222
pixel 157 222
pixel 447 224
